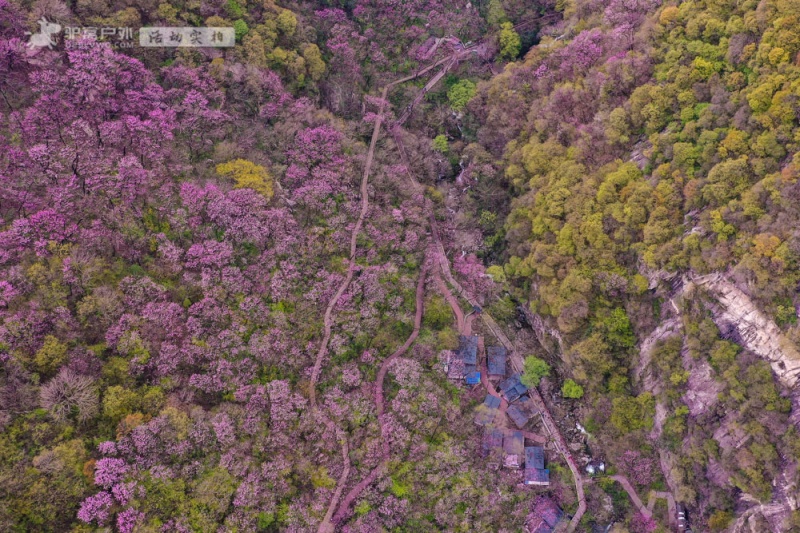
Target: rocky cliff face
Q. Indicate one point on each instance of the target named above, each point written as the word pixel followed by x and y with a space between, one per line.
pixel 736 313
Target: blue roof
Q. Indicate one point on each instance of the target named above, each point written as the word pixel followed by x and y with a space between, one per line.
pixel 492 440
pixel 487 411
pixel 521 411
pixel 513 442
pixel 544 517
pixel 473 378
pixel 517 415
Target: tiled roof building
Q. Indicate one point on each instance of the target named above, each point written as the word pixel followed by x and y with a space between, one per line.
pixel 544 516
pixel 522 411
pixel 512 388
pixel 535 472
pixel 496 356
pixel 468 349
pixel 487 411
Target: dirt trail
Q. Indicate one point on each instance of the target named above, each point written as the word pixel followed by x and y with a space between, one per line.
pixel 326 526
pixel 514 357
pixel 380 404
pixel 622 480
pixel 328 320
pixel 646 510
pixel 468 324
pixel 451 300
pixel 672 509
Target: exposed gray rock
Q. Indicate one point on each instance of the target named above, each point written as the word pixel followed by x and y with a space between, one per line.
pixel 703 390
pixel 756 331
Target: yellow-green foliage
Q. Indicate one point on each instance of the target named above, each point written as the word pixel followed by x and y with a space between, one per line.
pixel 119 402
pixel 287 22
pixel 248 175
pixel 51 355
pixel 314 62
pixel 510 43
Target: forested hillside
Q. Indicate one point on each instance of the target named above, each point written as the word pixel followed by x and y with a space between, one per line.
pixel 658 145
pixel 232 280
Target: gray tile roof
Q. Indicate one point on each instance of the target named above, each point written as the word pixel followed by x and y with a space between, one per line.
pixel 468 349
pixel 497 360
pixel 513 388
pixel 534 457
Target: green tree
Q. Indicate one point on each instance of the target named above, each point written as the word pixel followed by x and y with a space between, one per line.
pixel 440 144
pixel 633 413
pixel 234 9
pixel 287 23
pixel 616 328
pixel 248 175
pixel 212 493
pixel 51 355
pixel 240 28
pixel 570 389
pixel 461 93
pixel 118 402
pixel 720 520
pixel 495 13
pixel 438 314
pixel 534 370
pixel 315 65
pixel 510 43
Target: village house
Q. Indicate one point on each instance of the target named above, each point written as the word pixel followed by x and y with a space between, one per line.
pixel 468 351
pixel 454 366
pixel 487 412
pixel 512 388
pixel 514 448
pixel 522 411
pixel 535 472
pixel 545 515
pixel 504 446
pixel 463 363
pixel 492 447
pixel 496 359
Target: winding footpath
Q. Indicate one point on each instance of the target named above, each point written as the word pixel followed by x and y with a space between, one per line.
pixel 450 300
pixel 344 507
pixel 326 526
pixel 647 510
pixel 516 360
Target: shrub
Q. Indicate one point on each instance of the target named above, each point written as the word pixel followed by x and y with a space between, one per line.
pixel 534 370
pixel 510 43
pixel 51 355
pixel 570 389
pixel 719 520
pixel 460 94
pixel 440 144
pixel 438 314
